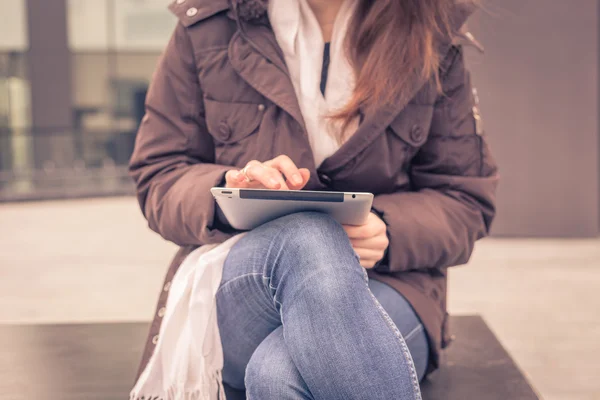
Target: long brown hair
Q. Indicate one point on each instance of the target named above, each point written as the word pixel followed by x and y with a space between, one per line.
pixel 390 44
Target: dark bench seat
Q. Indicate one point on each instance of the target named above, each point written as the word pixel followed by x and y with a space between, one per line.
pixel 99 362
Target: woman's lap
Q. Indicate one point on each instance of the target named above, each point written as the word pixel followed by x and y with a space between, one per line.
pixel 272 357
pixel 250 325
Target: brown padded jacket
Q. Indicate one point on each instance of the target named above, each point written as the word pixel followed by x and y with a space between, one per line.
pixel 221 96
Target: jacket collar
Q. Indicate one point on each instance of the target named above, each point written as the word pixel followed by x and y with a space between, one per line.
pixel 462 11
pixel 190 12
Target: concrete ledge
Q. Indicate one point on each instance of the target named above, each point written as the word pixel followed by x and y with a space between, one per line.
pixel 99 361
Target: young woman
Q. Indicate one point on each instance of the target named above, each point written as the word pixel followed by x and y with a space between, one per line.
pixel 342 95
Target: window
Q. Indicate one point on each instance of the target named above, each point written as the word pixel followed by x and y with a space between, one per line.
pixel 114 46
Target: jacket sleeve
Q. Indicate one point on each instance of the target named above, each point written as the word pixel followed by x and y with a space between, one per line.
pixel 454 178
pixel 173 160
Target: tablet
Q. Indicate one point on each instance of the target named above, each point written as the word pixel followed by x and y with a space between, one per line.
pixel 246 209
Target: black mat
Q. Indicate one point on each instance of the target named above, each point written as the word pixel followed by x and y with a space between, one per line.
pixel 99 362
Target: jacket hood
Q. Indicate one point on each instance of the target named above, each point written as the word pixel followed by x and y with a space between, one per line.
pixel 250 10
pixel 191 11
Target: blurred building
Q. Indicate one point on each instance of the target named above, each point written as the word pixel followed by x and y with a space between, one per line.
pixel 73 78
pixel 74 73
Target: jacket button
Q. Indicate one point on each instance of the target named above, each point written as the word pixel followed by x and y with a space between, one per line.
pixel 261 107
pixel 179 1
pixel 416 133
pixel 161 312
pixel 191 12
pixel 167 286
pixel 326 179
pixel 225 129
pixel 155 340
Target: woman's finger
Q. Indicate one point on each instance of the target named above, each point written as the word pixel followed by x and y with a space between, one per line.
pixel 256 174
pixel 305 177
pixel 235 179
pixel 373 227
pixel 291 172
pixel 379 242
pixel 268 175
pixel 276 175
pixel 362 232
pixel 369 254
pixel 367 264
pixel 270 178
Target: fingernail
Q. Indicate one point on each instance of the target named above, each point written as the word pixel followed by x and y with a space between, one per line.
pixel 297 179
pixel 274 182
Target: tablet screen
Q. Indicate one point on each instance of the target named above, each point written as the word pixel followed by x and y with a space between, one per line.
pixel 330 197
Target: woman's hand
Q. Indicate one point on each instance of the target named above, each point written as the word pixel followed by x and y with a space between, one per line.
pixel 369 241
pixel 279 173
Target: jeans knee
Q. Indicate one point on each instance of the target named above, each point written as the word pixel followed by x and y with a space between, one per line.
pixel 264 381
pixel 312 235
pixel 315 244
pixel 311 249
pixel 271 373
pixel 310 228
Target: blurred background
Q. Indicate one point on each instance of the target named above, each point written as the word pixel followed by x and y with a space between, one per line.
pixel 73 78
pixel 74 74
pixel 75 248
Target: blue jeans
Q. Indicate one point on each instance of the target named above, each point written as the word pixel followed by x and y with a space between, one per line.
pixel 299 319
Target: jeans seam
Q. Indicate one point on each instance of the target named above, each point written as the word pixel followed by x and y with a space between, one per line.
pixel 272 288
pixel 411 334
pixel 405 350
pixel 236 279
pixel 267 277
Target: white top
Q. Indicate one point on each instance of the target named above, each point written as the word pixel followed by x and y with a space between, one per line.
pixel 300 37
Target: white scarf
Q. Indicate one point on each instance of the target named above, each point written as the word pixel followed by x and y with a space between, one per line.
pixel 188 358
pixel 299 35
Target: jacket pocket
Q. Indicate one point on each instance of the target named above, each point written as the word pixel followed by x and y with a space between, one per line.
pixel 412 124
pixel 229 123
